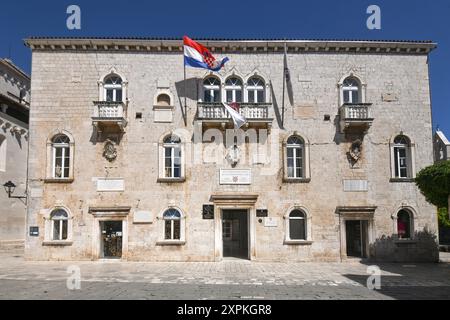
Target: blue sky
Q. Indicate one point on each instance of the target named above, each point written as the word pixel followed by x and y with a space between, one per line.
pixel 401 19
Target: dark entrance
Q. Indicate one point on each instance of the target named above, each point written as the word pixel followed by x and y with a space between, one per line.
pixel 235 233
pixel 356 238
pixel 111 234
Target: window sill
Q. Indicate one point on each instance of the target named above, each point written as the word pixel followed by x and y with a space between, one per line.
pixel 298 242
pixel 171 180
pixel 57 243
pixel 53 180
pixel 404 180
pixel 296 180
pixel 171 243
pixel 405 241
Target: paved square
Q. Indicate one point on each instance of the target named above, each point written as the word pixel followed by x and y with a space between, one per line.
pixel 231 279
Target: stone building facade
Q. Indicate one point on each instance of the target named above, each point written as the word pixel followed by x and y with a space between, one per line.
pixel 130 159
pixel 14 113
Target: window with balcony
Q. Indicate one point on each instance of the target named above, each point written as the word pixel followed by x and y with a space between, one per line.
pixel 351 90
pixel 233 89
pixel 402 158
pixel 256 90
pixel 211 90
pixel 113 88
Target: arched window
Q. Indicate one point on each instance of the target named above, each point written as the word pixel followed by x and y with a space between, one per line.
pixel 295 157
pixel 113 88
pixel 172 224
pixel 163 100
pixel 172 156
pixel 233 89
pixel 211 89
pixel 59 220
pixel 351 90
pixel 404 224
pixel 256 90
pixel 297 225
pixel 402 157
pixel 61 157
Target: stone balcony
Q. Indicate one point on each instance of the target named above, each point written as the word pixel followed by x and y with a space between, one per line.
pixel 109 115
pixel 256 114
pixel 355 117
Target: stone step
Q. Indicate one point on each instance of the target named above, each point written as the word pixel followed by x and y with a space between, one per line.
pixel 12 245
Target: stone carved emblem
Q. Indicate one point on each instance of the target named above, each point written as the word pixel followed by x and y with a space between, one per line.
pixel 355 151
pixel 110 151
pixel 233 154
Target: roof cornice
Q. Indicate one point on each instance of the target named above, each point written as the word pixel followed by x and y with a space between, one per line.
pixel 230 45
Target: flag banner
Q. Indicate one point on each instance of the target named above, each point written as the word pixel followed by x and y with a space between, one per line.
pixel 198 56
pixel 287 76
pixel 233 110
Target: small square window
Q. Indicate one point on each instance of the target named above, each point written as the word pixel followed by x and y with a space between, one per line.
pixel 138 115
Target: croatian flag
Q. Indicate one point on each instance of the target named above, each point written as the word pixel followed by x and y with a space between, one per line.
pixel 233 109
pixel 198 56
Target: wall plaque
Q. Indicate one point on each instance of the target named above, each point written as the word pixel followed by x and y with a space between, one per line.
pixel 235 176
pixel 356 185
pixel 142 217
pixel 34 231
pixel 262 213
pixel 270 222
pixel 208 211
pixel 111 185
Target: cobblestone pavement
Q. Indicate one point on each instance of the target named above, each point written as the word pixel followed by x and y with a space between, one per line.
pixel 230 279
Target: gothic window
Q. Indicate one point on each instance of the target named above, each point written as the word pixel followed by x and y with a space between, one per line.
pixel 61 157
pixel 172 157
pixel 211 89
pixel 402 157
pixel 295 157
pixel 172 224
pixel 113 88
pixel 351 90
pixel 233 89
pixel 256 90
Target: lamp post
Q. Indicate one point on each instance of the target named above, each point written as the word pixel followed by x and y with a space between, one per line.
pixel 9 188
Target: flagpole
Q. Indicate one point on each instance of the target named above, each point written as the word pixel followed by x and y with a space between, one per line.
pixel 185 93
pixel 284 85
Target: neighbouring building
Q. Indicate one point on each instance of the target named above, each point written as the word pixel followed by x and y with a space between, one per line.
pixel 14 113
pixel 441 147
pixel 131 159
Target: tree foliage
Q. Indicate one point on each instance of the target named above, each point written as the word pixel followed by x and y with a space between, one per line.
pixel 444 219
pixel 434 182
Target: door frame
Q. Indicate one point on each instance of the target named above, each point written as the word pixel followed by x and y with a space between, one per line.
pixel 356 213
pixel 102 244
pixel 247 213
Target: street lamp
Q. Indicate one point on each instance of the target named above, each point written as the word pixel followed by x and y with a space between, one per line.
pixel 9 188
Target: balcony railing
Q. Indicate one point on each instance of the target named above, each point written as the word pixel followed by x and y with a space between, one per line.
pixel 356 116
pixel 108 113
pixel 216 111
